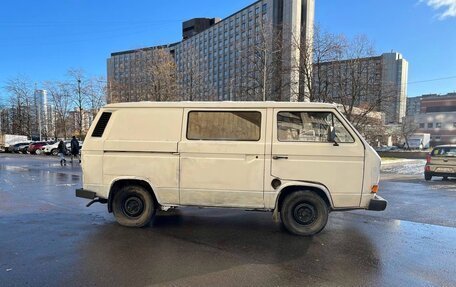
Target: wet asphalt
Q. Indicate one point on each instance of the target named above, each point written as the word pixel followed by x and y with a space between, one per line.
pixel 49 238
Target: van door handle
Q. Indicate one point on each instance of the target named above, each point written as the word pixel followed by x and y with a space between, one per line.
pixel 279 157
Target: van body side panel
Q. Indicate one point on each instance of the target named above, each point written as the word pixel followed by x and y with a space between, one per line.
pixel 270 194
pixel 142 144
pixel 161 170
pixel 222 173
pixel 339 168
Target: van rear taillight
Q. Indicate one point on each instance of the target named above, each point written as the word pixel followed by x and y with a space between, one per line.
pixel 428 158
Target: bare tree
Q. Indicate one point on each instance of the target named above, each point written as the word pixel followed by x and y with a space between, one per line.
pixel 343 72
pixel 23 115
pixel 408 128
pixel 96 94
pixel 5 119
pixel 78 85
pixel 119 92
pixel 62 101
pixel 260 65
pixel 162 72
pixel 324 47
pixel 193 79
pixel 153 77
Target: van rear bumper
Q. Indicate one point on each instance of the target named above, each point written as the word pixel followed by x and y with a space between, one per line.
pixel 83 193
pixel 377 204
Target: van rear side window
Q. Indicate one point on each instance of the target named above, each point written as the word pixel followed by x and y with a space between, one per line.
pixel 101 125
pixel 224 126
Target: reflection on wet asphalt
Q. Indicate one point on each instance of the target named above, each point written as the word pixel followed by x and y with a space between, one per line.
pixel 49 238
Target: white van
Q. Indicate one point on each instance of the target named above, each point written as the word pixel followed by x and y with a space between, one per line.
pixel 302 160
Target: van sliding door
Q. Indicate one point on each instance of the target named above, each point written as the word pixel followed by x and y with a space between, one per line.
pixel 222 158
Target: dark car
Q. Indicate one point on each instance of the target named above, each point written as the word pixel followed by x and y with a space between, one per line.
pixel 20 147
pixel 36 147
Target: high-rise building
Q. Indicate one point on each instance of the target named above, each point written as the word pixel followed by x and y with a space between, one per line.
pixel 383 76
pixel 41 112
pixel 395 80
pixel 250 55
pixel 195 26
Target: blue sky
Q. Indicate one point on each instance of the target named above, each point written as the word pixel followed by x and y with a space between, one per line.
pixel 43 39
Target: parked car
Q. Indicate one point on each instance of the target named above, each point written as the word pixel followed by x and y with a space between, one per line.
pixel 386 148
pixel 298 160
pixel 53 148
pixel 441 162
pixel 19 147
pixel 36 147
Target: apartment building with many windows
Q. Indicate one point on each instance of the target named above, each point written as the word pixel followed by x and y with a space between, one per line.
pixel 250 55
pixel 381 79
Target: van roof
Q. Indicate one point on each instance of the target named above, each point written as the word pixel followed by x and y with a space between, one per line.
pixel 221 105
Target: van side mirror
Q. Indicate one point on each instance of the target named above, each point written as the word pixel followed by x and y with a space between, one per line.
pixel 332 136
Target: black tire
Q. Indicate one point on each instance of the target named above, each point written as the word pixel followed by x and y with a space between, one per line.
pixel 427 177
pixel 55 152
pixel 304 213
pixel 133 206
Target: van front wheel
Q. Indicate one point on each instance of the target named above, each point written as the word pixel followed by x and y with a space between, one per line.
pixel 133 206
pixel 304 213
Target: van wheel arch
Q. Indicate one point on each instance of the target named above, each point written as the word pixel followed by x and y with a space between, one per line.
pixel 118 185
pixel 294 188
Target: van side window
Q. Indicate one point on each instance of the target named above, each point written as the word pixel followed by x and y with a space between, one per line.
pixel 310 127
pixel 224 126
pixel 101 125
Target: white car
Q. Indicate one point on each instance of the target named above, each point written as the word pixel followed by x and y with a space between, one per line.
pixel 53 149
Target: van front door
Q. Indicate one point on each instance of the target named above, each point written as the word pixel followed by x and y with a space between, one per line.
pixel 303 150
pixel 222 158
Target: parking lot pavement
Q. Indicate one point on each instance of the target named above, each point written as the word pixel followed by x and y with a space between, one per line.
pixel 411 198
pixel 49 238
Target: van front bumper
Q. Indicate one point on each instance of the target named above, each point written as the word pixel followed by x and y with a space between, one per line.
pixel 377 204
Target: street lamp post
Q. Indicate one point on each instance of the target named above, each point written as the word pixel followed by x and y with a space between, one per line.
pixel 80 107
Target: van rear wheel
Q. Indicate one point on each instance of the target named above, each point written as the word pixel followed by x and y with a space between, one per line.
pixel 133 206
pixel 304 213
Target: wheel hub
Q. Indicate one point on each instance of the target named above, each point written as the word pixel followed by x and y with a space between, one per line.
pixel 304 213
pixel 133 207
